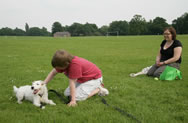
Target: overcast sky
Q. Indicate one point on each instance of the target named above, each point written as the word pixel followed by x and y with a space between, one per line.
pixel 43 13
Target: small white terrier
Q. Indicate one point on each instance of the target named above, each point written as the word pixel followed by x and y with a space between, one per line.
pixel 37 93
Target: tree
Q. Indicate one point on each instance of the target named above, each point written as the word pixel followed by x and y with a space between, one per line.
pixel 185 27
pixel 149 26
pixel 181 24
pixel 76 29
pixel 90 29
pixel 157 26
pixel 19 32
pixel 103 30
pixel 56 27
pixel 122 27
pixel 34 31
pixel 45 32
pixel 66 28
pixel 6 31
pixel 26 28
pixel 137 25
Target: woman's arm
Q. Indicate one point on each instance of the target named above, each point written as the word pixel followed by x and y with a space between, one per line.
pixel 158 58
pixel 50 76
pixel 177 54
pixel 72 92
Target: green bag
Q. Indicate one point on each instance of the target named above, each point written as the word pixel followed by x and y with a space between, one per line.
pixel 170 73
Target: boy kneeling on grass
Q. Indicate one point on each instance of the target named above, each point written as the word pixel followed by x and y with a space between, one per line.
pixel 85 78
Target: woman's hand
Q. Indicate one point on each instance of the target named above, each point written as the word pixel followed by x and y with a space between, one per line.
pixel 160 64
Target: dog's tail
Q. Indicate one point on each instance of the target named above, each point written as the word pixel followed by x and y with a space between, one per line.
pixel 15 89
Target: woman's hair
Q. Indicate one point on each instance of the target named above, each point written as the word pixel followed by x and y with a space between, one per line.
pixel 172 31
pixel 61 59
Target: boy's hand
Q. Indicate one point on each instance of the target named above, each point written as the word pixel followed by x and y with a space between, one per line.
pixel 72 103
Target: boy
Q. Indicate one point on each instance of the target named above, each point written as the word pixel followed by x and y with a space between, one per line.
pixel 85 78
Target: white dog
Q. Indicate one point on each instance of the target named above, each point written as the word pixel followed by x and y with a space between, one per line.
pixel 37 93
pixel 143 72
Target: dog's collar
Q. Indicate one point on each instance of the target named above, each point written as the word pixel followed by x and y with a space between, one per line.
pixel 40 95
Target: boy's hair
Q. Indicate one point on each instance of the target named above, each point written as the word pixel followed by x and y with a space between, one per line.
pixel 61 59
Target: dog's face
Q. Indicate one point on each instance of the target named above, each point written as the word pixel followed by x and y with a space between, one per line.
pixel 36 86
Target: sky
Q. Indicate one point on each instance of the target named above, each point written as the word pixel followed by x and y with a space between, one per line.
pixel 43 13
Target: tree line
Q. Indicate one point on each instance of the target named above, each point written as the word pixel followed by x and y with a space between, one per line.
pixel 137 26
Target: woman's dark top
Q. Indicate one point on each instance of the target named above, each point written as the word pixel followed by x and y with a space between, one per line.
pixel 169 52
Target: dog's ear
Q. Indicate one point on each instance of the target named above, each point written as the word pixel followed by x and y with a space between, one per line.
pixel 42 83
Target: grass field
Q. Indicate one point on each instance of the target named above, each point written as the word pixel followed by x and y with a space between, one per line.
pixel 26 59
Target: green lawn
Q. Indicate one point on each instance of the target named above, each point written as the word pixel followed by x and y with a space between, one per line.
pixel 26 59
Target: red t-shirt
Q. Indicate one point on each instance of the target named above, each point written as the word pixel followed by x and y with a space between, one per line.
pixel 82 70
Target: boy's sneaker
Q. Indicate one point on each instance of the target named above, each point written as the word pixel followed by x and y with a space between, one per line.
pixel 103 91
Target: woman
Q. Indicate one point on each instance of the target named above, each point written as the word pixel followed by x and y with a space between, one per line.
pixel 169 53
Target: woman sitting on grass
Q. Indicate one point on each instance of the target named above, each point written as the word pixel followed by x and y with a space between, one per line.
pixel 169 53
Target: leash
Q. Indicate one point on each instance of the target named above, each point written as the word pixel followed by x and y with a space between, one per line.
pixel 121 111
pixel 59 95
pixel 103 101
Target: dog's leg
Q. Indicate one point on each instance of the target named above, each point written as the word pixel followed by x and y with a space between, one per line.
pixel 19 102
pixel 50 102
pixel 37 104
pixel 36 101
pixel 20 97
pixel 46 100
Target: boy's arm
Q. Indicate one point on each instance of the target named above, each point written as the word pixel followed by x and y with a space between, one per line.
pixel 50 76
pixel 72 92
